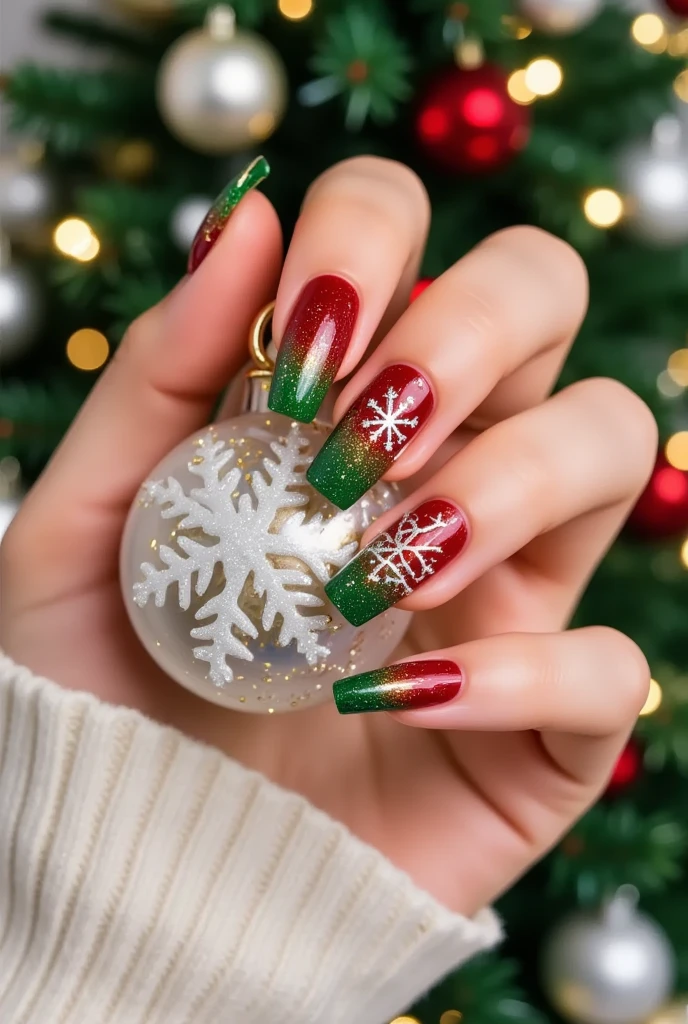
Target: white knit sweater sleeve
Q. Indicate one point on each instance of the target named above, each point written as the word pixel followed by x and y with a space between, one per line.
pixel 146 878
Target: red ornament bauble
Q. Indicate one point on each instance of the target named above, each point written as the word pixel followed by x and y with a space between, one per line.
pixel 662 509
pixel 678 7
pixel 420 286
pixel 626 769
pixel 467 121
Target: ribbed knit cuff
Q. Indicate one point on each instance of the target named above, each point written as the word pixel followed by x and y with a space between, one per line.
pixel 146 877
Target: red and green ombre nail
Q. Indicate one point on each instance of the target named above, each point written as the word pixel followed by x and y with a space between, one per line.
pixel 374 432
pixel 405 687
pixel 313 347
pixel 219 213
pixel 399 560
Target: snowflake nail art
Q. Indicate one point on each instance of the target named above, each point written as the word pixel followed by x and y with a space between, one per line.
pixel 247 545
pixel 399 560
pixel 376 429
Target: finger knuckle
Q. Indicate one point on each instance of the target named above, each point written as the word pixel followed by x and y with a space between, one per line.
pixel 378 182
pixel 633 420
pixel 632 671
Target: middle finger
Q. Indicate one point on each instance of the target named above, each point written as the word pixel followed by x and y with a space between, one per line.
pixel 489 335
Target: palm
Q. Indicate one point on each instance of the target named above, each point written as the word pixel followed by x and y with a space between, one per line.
pixel 411 793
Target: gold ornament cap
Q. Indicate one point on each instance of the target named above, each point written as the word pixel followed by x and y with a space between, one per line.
pixel 259 374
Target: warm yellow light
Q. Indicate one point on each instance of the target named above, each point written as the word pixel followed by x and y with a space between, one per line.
pixel 678 43
pixel 470 53
pixel 648 29
pixel 451 1017
pixel 517 88
pixel 681 85
pixel 603 207
pixel 667 386
pixel 684 552
pixel 677 367
pixel 75 238
pixel 543 76
pixel 676 450
pixel 654 698
pixel 405 1020
pixel 88 349
pixel 295 10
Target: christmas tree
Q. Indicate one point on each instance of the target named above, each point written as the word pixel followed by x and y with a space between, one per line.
pixel 559 113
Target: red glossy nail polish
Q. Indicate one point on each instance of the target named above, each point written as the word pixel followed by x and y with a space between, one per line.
pixel 313 347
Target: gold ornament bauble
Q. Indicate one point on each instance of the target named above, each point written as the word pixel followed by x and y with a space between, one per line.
pixel 221 89
pixel 224 560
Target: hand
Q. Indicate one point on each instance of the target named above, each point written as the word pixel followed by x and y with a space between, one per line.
pixel 467 794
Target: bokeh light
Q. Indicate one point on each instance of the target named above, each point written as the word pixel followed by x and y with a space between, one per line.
pixel 543 76
pixel 668 386
pixel 603 207
pixel 648 29
pixel 74 237
pixel 676 450
pixel 677 366
pixel 517 88
pixel 654 698
pixel 681 85
pixel 295 10
pixel 684 553
pixel 88 349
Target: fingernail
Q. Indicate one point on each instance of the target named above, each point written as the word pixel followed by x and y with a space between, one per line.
pixel 405 687
pixel 374 432
pixel 398 561
pixel 219 213
pixel 313 347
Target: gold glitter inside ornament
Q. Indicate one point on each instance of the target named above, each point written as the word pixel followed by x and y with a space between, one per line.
pixel 226 553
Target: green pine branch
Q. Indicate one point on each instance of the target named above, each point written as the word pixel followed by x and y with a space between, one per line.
pixel 665 732
pixel 614 846
pixel 72 110
pixel 95 31
pixel 484 991
pixel 361 59
pixel 34 417
pixel 482 18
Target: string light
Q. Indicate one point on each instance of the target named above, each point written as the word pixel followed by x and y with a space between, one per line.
pixel 668 386
pixel 516 27
pixel 648 30
pixel 654 698
pixel 451 1017
pixel 88 349
pixel 469 53
pixel 75 238
pixel 678 44
pixel 517 88
pixel 295 10
pixel 681 85
pixel 405 1020
pixel 684 552
pixel 677 367
pixel 603 207
pixel 676 450
pixel 543 76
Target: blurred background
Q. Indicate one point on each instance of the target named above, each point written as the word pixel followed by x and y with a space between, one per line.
pixel 121 121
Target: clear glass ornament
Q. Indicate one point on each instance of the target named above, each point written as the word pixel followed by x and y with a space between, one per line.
pixel 225 555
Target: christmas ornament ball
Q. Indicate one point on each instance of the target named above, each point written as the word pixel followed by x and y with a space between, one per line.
pixel 609 966
pixel 221 89
pixel 680 9
pixel 27 199
pixel 654 179
pixel 468 122
pixel 187 218
pixel 223 564
pixel 559 17
pixel 626 770
pixel 21 308
pixel 662 509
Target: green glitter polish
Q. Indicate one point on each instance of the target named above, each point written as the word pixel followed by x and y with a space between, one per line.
pixel 219 213
pixel 405 687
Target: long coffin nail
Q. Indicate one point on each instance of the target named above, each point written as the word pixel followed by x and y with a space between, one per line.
pixel 405 687
pixel 399 560
pixel 219 213
pixel 383 420
pixel 313 347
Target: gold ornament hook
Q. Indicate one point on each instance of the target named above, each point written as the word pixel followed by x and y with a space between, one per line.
pixel 263 364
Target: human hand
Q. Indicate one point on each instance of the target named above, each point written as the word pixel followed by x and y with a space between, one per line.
pixel 467 794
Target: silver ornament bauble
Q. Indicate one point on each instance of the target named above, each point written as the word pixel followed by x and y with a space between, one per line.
pixel 559 17
pixel 654 180
pixel 221 89
pixel 610 966
pixel 27 199
pixel 187 218
pixel 21 307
